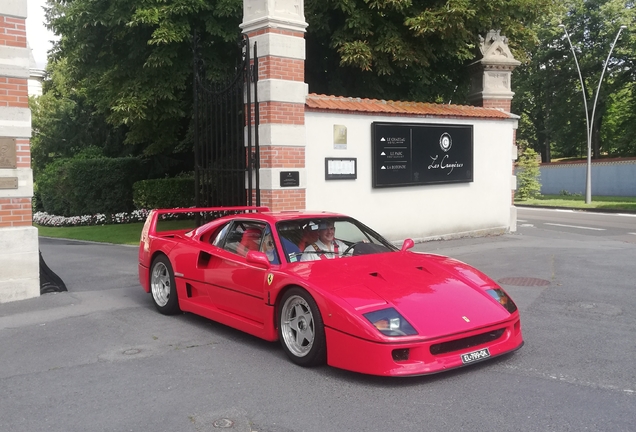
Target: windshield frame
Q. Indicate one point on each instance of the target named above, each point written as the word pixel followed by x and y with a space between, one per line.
pixel 290 233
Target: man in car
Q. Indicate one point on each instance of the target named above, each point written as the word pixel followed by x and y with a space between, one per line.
pixel 326 247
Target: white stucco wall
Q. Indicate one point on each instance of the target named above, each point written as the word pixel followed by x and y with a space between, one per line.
pixel 419 212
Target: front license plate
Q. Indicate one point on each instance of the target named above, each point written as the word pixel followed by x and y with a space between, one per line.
pixel 475 356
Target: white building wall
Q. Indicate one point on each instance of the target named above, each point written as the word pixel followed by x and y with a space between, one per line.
pixel 419 212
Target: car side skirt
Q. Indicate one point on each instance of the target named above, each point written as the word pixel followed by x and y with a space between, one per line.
pixel 267 332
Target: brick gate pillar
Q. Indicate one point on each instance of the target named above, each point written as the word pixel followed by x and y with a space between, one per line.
pixel 278 27
pixel 19 258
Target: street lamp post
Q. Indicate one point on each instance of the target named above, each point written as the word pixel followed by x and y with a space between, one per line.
pixel 589 122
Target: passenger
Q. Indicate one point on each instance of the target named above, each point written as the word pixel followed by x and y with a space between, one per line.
pixel 310 235
pixel 326 247
pixel 269 249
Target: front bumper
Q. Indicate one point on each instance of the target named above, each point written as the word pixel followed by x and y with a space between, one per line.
pixel 359 355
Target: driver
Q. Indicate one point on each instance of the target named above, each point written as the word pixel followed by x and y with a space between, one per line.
pixel 326 247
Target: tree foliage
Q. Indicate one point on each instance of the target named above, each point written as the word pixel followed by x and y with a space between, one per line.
pixel 132 59
pixel 549 96
pixel 408 49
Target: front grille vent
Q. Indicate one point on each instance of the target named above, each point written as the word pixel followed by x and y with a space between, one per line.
pixel 469 342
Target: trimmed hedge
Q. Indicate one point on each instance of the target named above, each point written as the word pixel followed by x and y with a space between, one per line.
pixel 164 193
pixel 70 187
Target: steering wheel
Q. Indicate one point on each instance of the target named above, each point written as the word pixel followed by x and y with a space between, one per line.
pixel 350 248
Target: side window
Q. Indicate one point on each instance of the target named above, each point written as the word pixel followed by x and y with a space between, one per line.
pixel 242 237
pixel 218 239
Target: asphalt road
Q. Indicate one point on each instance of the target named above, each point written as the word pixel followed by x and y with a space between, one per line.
pixel 100 358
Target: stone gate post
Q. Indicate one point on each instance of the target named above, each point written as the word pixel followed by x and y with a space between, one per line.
pixel 19 257
pixel 490 88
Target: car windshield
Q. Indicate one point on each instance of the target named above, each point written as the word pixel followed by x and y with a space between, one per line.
pixel 327 238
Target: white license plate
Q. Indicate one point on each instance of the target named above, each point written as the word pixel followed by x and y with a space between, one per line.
pixel 475 356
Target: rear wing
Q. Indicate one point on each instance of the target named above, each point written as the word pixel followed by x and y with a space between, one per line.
pixel 207 213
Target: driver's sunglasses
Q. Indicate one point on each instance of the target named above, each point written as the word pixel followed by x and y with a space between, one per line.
pixel 269 243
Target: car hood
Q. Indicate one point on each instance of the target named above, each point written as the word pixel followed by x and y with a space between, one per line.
pixel 437 295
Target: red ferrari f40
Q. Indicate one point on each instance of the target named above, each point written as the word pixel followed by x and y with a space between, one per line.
pixel 330 289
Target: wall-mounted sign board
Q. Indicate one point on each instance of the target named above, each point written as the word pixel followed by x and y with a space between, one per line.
pixel 410 154
pixel 341 168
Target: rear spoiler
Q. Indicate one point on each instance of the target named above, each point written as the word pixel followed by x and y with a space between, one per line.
pixel 150 226
pixel 226 210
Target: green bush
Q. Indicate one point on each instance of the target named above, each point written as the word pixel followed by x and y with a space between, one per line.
pixel 164 193
pixel 80 186
pixel 103 185
pixel 528 185
pixel 53 188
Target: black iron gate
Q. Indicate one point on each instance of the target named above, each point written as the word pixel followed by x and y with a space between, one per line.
pixel 226 151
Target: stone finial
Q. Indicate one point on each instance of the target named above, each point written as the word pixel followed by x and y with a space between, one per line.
pixel 283 14
pixel 494 50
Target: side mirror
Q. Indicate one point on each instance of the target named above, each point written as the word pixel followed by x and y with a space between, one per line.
pixel 408 244
pixel 258 258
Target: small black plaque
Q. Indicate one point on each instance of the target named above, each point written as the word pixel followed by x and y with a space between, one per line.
pixel 289 179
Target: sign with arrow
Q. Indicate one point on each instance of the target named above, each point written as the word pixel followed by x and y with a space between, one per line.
pixel 410 154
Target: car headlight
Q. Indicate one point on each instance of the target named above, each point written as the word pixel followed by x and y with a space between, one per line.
pixel 503 299
pixel 390 323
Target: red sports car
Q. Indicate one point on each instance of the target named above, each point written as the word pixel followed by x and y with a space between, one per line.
pixel 330 289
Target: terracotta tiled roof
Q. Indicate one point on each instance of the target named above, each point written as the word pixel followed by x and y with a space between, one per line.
pixel 376 106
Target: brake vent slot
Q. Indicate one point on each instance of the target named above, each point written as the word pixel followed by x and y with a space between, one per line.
pixel 464 343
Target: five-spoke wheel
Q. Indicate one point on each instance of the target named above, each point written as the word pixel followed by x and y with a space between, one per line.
pixel 301 329
pixel 162 286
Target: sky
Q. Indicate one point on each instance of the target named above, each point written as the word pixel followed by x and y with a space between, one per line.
pixel 38 36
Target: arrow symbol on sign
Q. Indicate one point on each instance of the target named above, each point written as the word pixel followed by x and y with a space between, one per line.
pixel 383 168
pixel 382 154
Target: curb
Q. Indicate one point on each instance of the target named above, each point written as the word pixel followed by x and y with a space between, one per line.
pixel 588 210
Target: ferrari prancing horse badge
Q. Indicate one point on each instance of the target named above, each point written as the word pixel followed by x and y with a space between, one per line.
pixel 270 278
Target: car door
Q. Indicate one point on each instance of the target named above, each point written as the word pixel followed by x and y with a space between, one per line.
pixel 233 285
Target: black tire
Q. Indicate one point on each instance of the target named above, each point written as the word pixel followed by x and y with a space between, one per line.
pixel 163 287
pixel 300 328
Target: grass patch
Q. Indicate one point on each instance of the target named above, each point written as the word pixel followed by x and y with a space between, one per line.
pixel 118 234
pixel 575 201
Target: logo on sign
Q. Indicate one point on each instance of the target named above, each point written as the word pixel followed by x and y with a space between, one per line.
pixel 445 141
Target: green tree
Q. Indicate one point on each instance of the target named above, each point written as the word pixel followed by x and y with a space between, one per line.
pixel 528 184
pixel 132 59
pixel 408 49
pixel 64 123
pixel 549 97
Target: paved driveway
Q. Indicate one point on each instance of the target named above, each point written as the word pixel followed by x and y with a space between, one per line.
pixel 100 358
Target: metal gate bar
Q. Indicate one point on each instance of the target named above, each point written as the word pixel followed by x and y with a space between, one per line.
pixel 226 157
